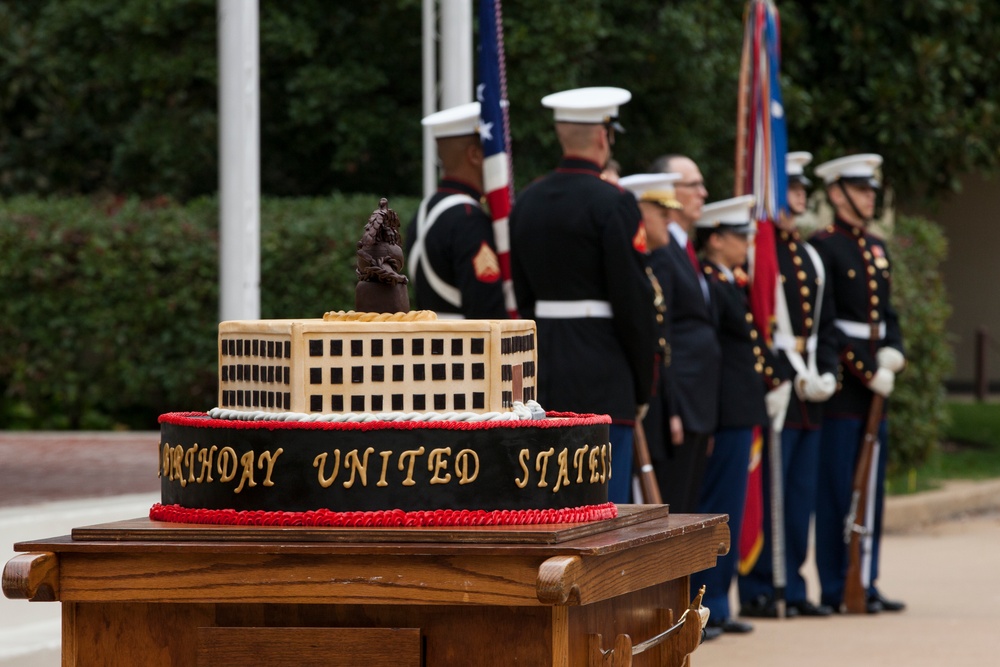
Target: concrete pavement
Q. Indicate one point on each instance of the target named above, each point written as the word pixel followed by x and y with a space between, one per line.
pixel 939 556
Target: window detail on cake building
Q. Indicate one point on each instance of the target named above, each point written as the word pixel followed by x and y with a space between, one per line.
pixel 466 374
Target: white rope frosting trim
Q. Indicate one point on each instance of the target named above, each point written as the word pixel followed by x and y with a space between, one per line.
pixel 519 412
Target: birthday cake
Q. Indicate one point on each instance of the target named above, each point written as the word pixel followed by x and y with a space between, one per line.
pixel 381 419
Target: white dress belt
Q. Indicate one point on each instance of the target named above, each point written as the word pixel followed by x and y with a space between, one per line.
pixel 573 309
pixel 794 343
pixel 860 329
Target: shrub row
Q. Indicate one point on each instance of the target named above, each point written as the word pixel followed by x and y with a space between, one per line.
pixel 110 307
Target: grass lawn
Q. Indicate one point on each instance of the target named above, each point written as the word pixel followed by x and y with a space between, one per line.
pixel 971 450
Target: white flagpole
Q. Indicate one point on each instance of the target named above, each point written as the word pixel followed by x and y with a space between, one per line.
pixel 239 160
pixel 429 51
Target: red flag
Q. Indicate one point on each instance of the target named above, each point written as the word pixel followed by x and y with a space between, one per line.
pixel 761 145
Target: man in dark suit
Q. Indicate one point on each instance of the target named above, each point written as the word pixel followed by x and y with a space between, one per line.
pixel 578 276
pixel 695 355
pixel 451 251
pixel 870 346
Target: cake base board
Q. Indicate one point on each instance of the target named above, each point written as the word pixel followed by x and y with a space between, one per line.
pixel 146 530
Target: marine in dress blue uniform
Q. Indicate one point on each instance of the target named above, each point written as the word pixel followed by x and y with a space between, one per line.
pixel 658 203
pixel 450 245
pixel 805 352
pixel 577 274
pixel 722 234
pixel 870 347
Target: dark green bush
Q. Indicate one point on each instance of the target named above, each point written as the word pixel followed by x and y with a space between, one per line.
pixel 110 308
pixel 919 414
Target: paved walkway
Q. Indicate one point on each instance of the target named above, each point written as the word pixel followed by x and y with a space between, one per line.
pixel 940 557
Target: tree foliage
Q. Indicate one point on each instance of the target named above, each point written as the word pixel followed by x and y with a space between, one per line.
pixel 120 95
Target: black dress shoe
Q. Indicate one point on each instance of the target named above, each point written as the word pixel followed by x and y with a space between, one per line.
pixel 872 606
pixel 807 608
pixel 710 633
pixel 886 604
pixel 764 606
pixel 731 625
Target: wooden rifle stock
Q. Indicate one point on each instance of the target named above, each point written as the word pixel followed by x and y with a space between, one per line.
pixel 647 478
pixel 855 527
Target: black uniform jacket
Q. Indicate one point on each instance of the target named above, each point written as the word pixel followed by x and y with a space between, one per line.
pixel 801 285
pixel 657 421
pixel 571 239
pixel 461 249
pixel 742 386
pixel 695 355
pixel 859 270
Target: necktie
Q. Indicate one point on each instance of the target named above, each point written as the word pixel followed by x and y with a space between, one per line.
pixel 694 258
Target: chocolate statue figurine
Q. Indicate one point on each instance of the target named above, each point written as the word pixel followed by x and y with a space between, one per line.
pixel 381 287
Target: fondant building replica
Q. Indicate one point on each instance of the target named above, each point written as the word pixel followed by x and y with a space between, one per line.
pixel 345 362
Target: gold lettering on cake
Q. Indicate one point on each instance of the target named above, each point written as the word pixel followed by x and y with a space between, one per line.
pixel 578 462
pixel 205 457
pixel 542 465
pixel 270 458
pixel 358 466
pixel 165 461
pixel 462 466
pixel 411 456
pixel 176 458
pixel 320 463
pixel 605 463
pixel 522 458
pixel 189 455
pixel 436 463
pixel 385 454
pixel 562 478
pixel 227 455
pixel 592 465
pixel 247 462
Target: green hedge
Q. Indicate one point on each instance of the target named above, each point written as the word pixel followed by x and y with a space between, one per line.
pixel 110 307
pixel 919 414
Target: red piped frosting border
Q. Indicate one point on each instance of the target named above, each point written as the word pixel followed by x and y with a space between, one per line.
pixel 553 420
pixel 383 518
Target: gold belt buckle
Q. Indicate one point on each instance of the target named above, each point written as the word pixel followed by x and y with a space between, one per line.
pixel 875 331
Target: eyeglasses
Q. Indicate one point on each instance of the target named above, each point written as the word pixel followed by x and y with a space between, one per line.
pixel 691 184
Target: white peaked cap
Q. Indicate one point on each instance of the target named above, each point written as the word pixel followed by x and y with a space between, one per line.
pixel 861 166
pixel 732 214
pixel 656 188
pixel 454 122
pixel 795 163
pixel 587 105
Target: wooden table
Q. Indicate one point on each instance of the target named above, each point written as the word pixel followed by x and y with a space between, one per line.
pixel 146 593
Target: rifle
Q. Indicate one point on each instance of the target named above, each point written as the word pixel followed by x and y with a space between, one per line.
pixel 647 478
pixel 857 532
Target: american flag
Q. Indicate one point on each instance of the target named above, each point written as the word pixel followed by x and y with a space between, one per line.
pixel 495 130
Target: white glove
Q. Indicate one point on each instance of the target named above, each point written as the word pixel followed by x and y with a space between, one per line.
pixel 776 401
pixel 883 382
pixel 800 382
pixel 641 411
pixel 820 388
pixel 890 359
